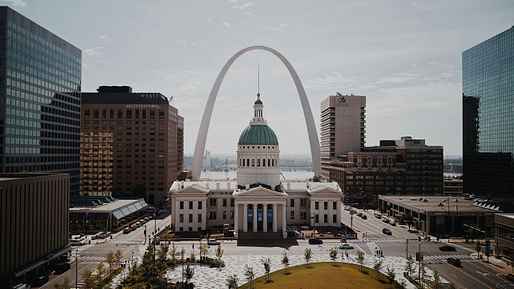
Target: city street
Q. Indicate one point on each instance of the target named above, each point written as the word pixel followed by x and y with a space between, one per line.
pixel 89 256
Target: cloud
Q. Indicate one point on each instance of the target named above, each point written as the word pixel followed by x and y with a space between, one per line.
pixel 226 24
pixel 105 38
pixel 244 6
pixel 97 51
pixel 278 27
pixel 16 3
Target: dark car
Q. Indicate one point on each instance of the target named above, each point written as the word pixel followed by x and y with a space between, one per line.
pixel 386 231
pixel 446 248
pixel 510 276
pixel 364 217
pixel 454 261
pixel 360 214
pixel 61 268
pixel 39 281
pixel 315 241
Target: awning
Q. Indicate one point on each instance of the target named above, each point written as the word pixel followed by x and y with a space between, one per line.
pixel 129 209
pixel 59 253
pixel 30 267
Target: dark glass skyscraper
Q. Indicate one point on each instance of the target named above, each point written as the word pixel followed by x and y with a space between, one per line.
pixel 488 117
pixel 39 99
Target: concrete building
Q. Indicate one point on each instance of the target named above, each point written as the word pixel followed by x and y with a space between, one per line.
pixel 257 205
pixel 133 142
pixel 439 216
pixel 504 235
pixel 34 218
pixel 396 167
pixel 488 118
pixel 452 186
pixel 105 216
pixel 343 127
pixel 39 99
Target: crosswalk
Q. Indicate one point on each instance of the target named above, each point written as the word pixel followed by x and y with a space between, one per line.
pixel 444 257
pixel 90 259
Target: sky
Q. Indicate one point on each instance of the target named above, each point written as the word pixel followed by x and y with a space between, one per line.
pixel 404 56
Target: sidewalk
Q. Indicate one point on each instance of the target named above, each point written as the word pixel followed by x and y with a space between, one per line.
pixel 497 264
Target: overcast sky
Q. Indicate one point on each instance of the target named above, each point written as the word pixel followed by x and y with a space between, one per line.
pixel 405 56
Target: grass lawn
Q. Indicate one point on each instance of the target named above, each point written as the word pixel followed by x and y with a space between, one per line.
pixel 327 275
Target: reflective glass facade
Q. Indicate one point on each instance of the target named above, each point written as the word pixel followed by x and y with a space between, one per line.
pixel 39 99
pixel 488 117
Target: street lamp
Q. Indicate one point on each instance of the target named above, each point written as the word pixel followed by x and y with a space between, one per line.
pixel 76 268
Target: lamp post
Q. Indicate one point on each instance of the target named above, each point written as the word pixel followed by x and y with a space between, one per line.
pixel 76 268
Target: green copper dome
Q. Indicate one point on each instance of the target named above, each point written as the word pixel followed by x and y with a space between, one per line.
pixel 258 135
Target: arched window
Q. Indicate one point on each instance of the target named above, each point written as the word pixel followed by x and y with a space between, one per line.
pixel 253 162
pixel 247 162
pixel 258 162
pixel 263 162
pixel 273 162
pixel 269 162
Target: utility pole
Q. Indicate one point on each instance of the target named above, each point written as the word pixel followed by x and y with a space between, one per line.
pixel 419 261
pixel 407 248
pixel 76 268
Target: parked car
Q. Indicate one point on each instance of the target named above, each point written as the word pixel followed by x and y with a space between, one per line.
pixel 446 248
pixel 385 220
pixel 104 235
pixel 39 281
pixel 345 246
pixel 378 216
pixel 78 241
pixel 22 286
pixel 392 222
pixel 61 268
pixel 364 217
pixel 386 231
pixel 126 230
pixel 360 214
pixel 510 276
pixel 213 242
pixel 454 261
pixel 315 241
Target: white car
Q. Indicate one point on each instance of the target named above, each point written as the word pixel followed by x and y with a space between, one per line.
pixel 345 246
pixel 213 242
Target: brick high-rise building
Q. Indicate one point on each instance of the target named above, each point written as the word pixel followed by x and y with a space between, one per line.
pixel 343 126
pixel 131 142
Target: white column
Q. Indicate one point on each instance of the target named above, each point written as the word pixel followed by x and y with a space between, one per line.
pixel 265 218
pixel 313 213
pixel 274 217
pixel 204 215
pixel 236 218
pixel 255 217
pixel 338 224
pixel 284 232
pixel 245 221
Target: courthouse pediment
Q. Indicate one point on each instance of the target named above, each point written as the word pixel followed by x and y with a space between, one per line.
pixel 259 192
pixel 192 189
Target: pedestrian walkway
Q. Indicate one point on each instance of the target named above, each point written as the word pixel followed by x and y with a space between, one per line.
pixel 213 278
pixel 444 257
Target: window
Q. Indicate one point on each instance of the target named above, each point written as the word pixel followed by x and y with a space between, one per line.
pixel 292 215
pixel 144 113
pixel 325 205
pixel 334 219
pixel 292 203
pixel 199 218
pixel 128 113
pixel 111 113
pixel 325 218
pixel 316 205
pixel 212 202
pixel 120 113
pixel 212 215
pixel 231 202
pixel 190 218
pixel 181 218
pixel 253 163
pixel 200 205
pixel 224 202
pixel 181 229
pixel 181 205
pixel 224 215
pixel 316 219
pixel 190 205
pixel 190 229
pixel 303 202
pixel 334 205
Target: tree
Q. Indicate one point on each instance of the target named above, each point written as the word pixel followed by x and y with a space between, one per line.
pixel 65 284
pixel 360 258
pixel 118 256
pixel 204 250
pixel 333 254
pixel 219 254
pixel 267 267
pixel 250 275
pixel 377 267
pixel 232 281
pixel 307 255
pixel 285 260
pixel 188 273
pixel 110 259
pixel 173 252
pixel 452 286
pixel 423 274
pixel 87 276
pixel 478 248
pixel 192 257
pixel 409 266
pixel 390 275
pixel 100 269
pixel 436 283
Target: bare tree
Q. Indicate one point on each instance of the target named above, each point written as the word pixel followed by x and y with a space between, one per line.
pixel 285 260
pixel 204 250
pixel 110 259
pixel 360 258
pixel 188 273
pixel 409 266
pixel 100 269
pixel 118 256
pixel 267 267
pixel 391 275
pixel 87 276
pixel 173 252
pixel 333 254
pixel 377 267
pixel 307 255
pixel 250 275
pixel 436 283
pixel 219 254
pixel 232 281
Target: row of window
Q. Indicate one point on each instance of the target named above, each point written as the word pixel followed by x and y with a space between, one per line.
pixel 128 113
pixel 257 162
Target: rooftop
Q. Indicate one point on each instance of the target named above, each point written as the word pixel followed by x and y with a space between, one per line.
pixel 119 208
pixel 122 95
pixel 435 204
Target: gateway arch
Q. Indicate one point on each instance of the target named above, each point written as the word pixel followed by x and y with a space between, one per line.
pixel 207 113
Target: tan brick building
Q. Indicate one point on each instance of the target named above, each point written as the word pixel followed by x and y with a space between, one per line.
pixel 132 143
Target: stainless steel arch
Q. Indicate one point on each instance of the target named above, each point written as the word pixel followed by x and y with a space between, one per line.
pixel 207 113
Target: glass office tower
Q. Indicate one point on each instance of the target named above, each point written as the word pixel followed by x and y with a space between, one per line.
pixel 39 99
pixel 488 117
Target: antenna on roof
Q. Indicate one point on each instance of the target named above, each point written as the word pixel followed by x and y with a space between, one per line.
pixel 258 78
